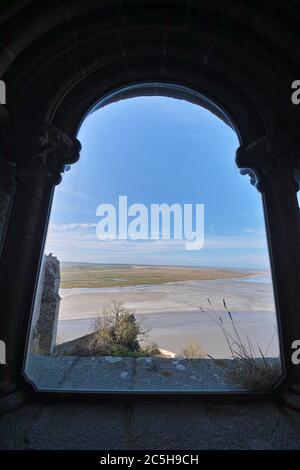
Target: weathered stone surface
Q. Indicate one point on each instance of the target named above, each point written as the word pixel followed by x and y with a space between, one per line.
pixel 47 306
pixel 106 373
pixel 7 175
pixel 149 425
pixel 78 346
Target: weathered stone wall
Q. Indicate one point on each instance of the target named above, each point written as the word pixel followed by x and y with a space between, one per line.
pixel 47 306
pixel 78 346
pixel 7 176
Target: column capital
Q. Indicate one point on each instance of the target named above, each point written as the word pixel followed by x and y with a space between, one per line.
pixel 272 155
pixel 43 148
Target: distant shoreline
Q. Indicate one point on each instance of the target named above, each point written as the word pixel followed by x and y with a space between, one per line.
pixel 68 264
pixel 95 275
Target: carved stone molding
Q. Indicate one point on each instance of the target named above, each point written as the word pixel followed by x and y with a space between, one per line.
pixel 272 155
pixel 7 165
pixel 4 124
pixel 7 175
pixel 44 148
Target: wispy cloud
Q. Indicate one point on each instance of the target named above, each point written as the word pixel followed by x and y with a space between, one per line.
pixel 75 194
pixel 234 242
pixel 254 231
pixel 82 236
pixel 69 227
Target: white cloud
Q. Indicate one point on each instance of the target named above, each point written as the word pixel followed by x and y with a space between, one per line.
pixel 74 194
pixel 79 237
pixel 234 242
pixel 72 226
pixel 255 231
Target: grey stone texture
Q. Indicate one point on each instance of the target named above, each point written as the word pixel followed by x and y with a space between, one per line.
pixel 127 374
pixel 149 424
pixel 76 346
pixel 47 305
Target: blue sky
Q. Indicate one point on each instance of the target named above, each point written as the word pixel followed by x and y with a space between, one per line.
pixel 158 150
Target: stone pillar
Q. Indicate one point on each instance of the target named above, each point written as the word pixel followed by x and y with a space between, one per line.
pixel 40 153
pixel 7 175
pixel 271 162
pixel 47 306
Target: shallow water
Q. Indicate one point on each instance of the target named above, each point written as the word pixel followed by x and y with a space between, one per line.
pixel 173 330
pixel 171 312
pixel 260 279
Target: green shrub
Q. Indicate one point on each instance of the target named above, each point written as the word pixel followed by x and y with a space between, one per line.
pixel 118 332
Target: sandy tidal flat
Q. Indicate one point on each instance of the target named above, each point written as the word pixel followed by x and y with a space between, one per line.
pixel 84 275
pixel 172 314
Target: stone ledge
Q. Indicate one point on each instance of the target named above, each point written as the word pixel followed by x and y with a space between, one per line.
pixel 125 374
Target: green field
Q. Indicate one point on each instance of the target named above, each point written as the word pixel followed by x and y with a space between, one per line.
pixel 101 275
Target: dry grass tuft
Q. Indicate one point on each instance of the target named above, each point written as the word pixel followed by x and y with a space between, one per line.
pixel 252 368
pixel 193 350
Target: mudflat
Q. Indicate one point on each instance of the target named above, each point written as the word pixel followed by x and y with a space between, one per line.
pixel 81 275
pixel 171 310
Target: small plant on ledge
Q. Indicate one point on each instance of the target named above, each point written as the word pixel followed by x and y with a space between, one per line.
pixel 119 333
pixel 193 350
pixel 251 370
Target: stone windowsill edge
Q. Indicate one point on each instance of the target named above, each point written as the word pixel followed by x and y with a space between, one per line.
pixel 14 400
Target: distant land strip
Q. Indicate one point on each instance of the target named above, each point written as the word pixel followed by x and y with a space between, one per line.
pixel 80 275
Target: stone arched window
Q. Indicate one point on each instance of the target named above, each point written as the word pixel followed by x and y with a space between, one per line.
pixel 221 305
pixel 57 71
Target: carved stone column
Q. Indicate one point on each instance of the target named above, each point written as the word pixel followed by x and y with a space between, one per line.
pixel 7 175
pixel 271 162
pixel 40 153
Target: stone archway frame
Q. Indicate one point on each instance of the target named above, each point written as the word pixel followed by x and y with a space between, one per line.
pixel 239 61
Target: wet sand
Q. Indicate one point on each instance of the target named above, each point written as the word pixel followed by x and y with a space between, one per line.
pixel 171 311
